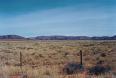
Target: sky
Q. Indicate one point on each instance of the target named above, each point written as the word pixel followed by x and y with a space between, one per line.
pixel 58 17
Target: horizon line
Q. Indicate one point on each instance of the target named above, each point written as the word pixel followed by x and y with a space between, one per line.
pixel 59 35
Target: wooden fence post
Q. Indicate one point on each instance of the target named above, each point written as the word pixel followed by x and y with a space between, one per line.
pixel 20 60
pixel 81 57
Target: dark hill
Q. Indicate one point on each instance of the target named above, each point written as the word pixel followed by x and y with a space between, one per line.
pixel 11 37
pixel 58 37
pixel 74 38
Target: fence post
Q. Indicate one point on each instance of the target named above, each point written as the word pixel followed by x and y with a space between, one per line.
pixel 81 57
pixel 21 60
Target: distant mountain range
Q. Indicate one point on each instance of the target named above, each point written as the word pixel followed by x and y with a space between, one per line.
pixel 58 37
pixel 11 37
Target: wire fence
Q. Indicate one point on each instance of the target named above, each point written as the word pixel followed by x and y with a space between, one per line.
pixel 46 71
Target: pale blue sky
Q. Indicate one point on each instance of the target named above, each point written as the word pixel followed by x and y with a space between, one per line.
pixel 58 17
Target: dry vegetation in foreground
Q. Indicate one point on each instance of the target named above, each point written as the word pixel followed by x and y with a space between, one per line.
pixel 46 59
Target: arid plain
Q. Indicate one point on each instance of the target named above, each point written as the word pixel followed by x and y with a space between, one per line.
pixel 47 58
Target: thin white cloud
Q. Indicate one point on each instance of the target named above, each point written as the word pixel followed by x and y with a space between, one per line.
pixel 66 20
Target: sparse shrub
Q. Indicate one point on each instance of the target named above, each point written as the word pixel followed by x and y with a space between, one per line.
pixel 97 58
pixel 99 69
pixel 29 48
pixel 103 55
pixel 47 73
pixel 114 72
pixel 72 68
pixel 78 54
pixel 87 58
pixel 88 45
pixel 33 53
pixel 24 76
pixel 100 62
pixel 40 55
pixel 66 53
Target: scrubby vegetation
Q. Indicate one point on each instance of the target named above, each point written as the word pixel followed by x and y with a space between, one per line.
pixel 98 70
pixel 72 68
pixel 58 59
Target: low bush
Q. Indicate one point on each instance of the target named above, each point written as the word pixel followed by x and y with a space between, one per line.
pixel 72 68
pixel 99 69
